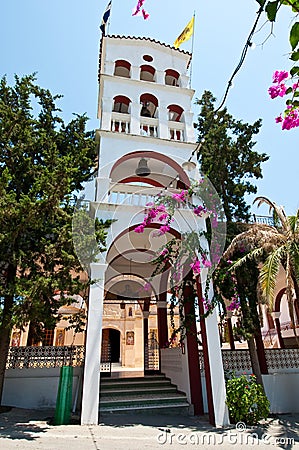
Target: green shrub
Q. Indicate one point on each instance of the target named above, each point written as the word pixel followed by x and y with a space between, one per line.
pixel 246 400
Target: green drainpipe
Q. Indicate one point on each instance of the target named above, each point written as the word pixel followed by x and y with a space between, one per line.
pixel 64 396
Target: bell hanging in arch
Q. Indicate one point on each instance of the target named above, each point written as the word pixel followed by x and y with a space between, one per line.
pixel 142 169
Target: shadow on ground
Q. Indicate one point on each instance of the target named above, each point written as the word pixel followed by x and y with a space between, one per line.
pixel 279 430
pixel 158 421
pixel 19 424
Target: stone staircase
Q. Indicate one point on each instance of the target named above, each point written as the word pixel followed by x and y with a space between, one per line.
pixel 148 394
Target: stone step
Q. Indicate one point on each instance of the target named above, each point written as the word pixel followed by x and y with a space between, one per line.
pixel 169 409
pixel 140 385
pixel 130 390
pixel 142 399
pixel 149 394
pixel 146 378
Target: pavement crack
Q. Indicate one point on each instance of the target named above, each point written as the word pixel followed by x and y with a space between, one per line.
pixel 93 439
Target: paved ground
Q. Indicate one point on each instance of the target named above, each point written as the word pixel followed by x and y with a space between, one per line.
pixel 29 429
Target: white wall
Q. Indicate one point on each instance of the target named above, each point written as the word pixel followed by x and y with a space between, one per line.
pixel 282 392
pixel 174 365
pixel 36 388
pixel 281 387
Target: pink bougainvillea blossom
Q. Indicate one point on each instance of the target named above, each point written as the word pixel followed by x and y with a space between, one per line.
pixel 139 10
pixel 199 210
pixel 234 304
pixel 181 197
pixel 206 263
pixel 278 119
pixel 152 213
pixel 163 229
pixel 139 228
pixel 279 90
pixel 163 216
pixel 290 118
pixel 279 76
pixel 195 266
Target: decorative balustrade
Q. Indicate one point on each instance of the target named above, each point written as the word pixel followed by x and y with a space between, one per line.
pixel 149 127
pixel 266 220
pixel 176 131
pixel 45 357
pixel 120 123
pixel 282 359
pixel 128 194
pixel 125 194
pixel 278 359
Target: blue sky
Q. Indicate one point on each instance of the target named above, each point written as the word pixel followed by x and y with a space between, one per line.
pixel 60 40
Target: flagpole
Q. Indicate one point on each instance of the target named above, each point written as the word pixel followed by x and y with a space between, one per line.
pixel 109 19
pixel 192 46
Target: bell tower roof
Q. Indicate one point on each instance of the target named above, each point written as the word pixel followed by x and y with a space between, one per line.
pixel 137 48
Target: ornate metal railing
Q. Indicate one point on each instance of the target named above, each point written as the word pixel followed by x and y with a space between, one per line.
pixel 151 355
pixel 45 357
pixel 278 359
pixel 267 220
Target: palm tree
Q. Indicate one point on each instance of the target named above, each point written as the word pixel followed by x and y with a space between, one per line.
pixel 271 247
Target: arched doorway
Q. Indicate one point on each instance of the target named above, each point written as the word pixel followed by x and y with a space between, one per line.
pixel 110 345
pixel 114 337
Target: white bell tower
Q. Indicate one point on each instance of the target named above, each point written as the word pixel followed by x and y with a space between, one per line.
pixel 145 135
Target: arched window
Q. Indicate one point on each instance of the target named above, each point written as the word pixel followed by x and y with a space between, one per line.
pixel 130 314
pixel 172 77
pixel 175 113
pixel 121 104
pixel 149 105
pixel 147 73
pixel 122 68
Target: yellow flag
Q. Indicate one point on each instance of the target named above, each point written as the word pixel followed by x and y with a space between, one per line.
pixel 186 34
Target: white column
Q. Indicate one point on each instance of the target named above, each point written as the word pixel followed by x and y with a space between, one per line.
pixel 135 72
pixel 160 77
pixel 91 383
pixel 106 113
pixel 216 369
pixel 190 135
pixel 163 122
pixel 135 118
pixel 184 81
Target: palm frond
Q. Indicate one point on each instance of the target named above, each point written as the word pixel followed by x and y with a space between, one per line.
pixel 293 223
pixel 255 255
pixel 279 211
pixel 260 200
pixel 268 275
pixel 258 235
pixel 294 259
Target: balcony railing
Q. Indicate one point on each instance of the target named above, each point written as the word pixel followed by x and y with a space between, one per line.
pixel 149 127
pixel 128 194
pixel 278 359
pixel 120 123
pixel 124 194
pixel 267 220
pixel 45 357
pixel 176 131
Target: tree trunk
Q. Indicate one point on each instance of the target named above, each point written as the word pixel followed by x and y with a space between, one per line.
pixel 6 324
pixel 5 331
pixel 254 361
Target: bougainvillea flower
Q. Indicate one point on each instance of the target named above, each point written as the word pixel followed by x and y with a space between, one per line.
pixel 279 76
pixel 195 266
